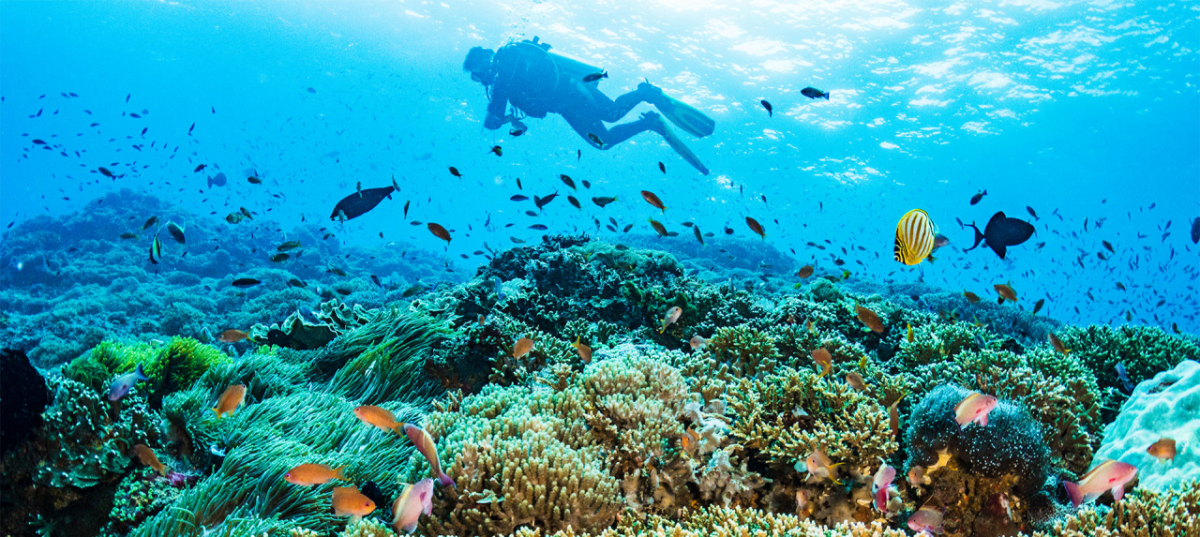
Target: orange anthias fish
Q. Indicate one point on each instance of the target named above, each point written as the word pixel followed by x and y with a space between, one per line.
pixel 147 456
pixel 818 465
pixel 697 342
pixel 823 359
pixel 314 474
pixel 522 347
pixel 670 318
pixel 232 336
pixel 407 509
pixel 585 352
pixel 916 476
pixel 658 228
pixel 689 441
pixel 424 443
pixel 1006 292
pixel 379 417
pixel 756 228
pixel 439 231
pixel 348 501
pixel 805 271
pixel 971 297
pixel 230 399
pixel 1164 449
pixel 1110 475
pixel 653 200
pixel 1058 344
pixel 894 416
pixel 974 408
pixel 869 318
pixel 855 381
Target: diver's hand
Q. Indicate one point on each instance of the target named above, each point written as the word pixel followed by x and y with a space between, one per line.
pixel 493 122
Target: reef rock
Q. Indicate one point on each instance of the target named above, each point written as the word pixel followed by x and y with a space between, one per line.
pixel 24 395
pixel 1162 407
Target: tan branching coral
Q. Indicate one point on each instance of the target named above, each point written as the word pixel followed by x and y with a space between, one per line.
pixel 724 521
pixel 787 415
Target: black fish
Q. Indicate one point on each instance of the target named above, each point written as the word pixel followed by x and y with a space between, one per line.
pixel 602 200
pixel 566 179
pixel 406 202
pixel 149 222
pixel 1002 232
pixel 358 203
pixel 372 491
pixel 245 282
pixel 542 202
pixel 592 78
pixel 814 93
pixel 574 202
pixel 1196 231
pixel 310 90
pixel 454 172
pixel 662 167
pixel 767 105
pixel 200 167
pixel 296 283
pixel 518 197
pixel 217 180
pixel 1038 307
pixel 176 232
pixel 1032 212
pixel 978 196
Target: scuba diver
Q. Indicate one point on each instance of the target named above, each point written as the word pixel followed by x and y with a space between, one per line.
pixel 537 82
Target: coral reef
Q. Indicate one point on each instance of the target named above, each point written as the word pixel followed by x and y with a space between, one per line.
pixel 1162 407
pixel 1006 459
pixel 1142 350
pixel 644 429
pixel 1167 513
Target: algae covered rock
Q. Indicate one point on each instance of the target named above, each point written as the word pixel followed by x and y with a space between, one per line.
pixel 1166 406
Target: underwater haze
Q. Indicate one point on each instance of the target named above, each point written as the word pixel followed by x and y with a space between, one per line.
pixel 310 199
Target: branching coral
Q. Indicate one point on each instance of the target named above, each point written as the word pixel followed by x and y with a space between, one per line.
pixel 1144 351
pixel 723 521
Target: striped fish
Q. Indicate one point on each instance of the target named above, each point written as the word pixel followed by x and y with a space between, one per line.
pixel 914 238
pixel 155 250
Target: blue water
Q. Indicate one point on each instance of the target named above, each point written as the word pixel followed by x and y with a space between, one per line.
pixel 1077 110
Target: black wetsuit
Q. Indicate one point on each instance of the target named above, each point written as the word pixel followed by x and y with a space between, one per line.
pixel 527 77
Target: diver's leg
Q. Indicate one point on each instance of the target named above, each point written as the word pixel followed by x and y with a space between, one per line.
pixel 612 111
pixel 588 126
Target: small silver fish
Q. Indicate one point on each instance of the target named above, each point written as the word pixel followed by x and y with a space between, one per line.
pixel 122 384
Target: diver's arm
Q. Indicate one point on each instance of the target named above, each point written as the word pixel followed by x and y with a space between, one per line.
pixel 496 109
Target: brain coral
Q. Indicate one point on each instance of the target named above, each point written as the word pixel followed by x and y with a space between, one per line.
pixel 1165 406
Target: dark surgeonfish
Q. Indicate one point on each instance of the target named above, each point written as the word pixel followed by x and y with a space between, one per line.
pixel 217 180
pixel 358 203
pixel 1002 232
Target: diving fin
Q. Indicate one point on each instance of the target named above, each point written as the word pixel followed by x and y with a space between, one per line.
pixel 683 115
pixel 672 140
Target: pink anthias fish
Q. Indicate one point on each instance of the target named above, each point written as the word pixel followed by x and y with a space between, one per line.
pixel 974 408
pixel 1110 475
pixel 415 499
pixel 879 488
pixel 926 519
pixel 424 443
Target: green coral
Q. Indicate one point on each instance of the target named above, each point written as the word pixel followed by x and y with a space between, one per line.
pixel 85 440
pixel 171 367
pixel 1143 350
pixel 141 494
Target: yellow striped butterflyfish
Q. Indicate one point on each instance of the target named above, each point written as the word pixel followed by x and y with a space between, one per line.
pixel 914 237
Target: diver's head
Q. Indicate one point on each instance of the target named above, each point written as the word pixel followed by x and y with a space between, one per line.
pixel 479 64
